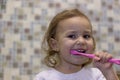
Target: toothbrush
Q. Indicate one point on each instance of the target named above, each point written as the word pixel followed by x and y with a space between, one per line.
pixel 116 61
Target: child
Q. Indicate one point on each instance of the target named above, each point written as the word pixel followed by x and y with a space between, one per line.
pixel 72 30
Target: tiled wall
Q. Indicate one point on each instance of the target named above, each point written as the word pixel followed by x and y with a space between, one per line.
pixel 23 23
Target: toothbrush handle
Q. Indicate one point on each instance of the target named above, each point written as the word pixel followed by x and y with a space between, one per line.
pixel 116 61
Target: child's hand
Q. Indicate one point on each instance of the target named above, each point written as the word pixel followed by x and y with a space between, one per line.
pixel 102 61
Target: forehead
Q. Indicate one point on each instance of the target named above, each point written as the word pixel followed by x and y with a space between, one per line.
pixel 74 23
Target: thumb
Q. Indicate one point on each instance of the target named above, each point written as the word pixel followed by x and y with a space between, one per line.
pixel 96 58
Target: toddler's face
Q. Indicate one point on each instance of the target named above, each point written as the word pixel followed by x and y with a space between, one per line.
pixel 73 33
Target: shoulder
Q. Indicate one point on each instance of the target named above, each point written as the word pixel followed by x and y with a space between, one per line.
pixel 91 68
pixel 94 72
pixel 44 74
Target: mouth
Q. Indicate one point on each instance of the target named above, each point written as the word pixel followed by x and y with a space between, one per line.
pixel 81 51
pixel 78 51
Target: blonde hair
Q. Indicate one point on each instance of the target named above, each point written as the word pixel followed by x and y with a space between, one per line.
pixel 52 59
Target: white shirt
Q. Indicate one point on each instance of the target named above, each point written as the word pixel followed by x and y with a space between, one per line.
pixel 84 74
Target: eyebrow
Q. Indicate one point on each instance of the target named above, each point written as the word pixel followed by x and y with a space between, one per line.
pixel 85 32
pixel 88 31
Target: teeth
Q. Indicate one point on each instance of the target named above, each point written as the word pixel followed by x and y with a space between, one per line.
pixel 83 51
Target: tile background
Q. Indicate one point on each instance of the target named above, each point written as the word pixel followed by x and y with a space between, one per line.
pixel 23 23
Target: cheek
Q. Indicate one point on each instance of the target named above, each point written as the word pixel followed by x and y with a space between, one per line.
pixel 92 45
pixel 65 45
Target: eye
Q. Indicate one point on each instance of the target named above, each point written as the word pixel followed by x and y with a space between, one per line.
pixel 87 36
pixel 72 36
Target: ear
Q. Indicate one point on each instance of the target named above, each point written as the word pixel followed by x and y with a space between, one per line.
pixel 53 44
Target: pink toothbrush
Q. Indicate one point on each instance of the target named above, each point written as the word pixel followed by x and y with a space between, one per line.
pixel 116 61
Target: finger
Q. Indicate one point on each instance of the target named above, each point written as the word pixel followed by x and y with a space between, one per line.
pixel 103 56
pixel 97 58
pixel 109 56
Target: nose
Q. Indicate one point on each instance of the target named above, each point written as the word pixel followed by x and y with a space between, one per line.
pixel 80 41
